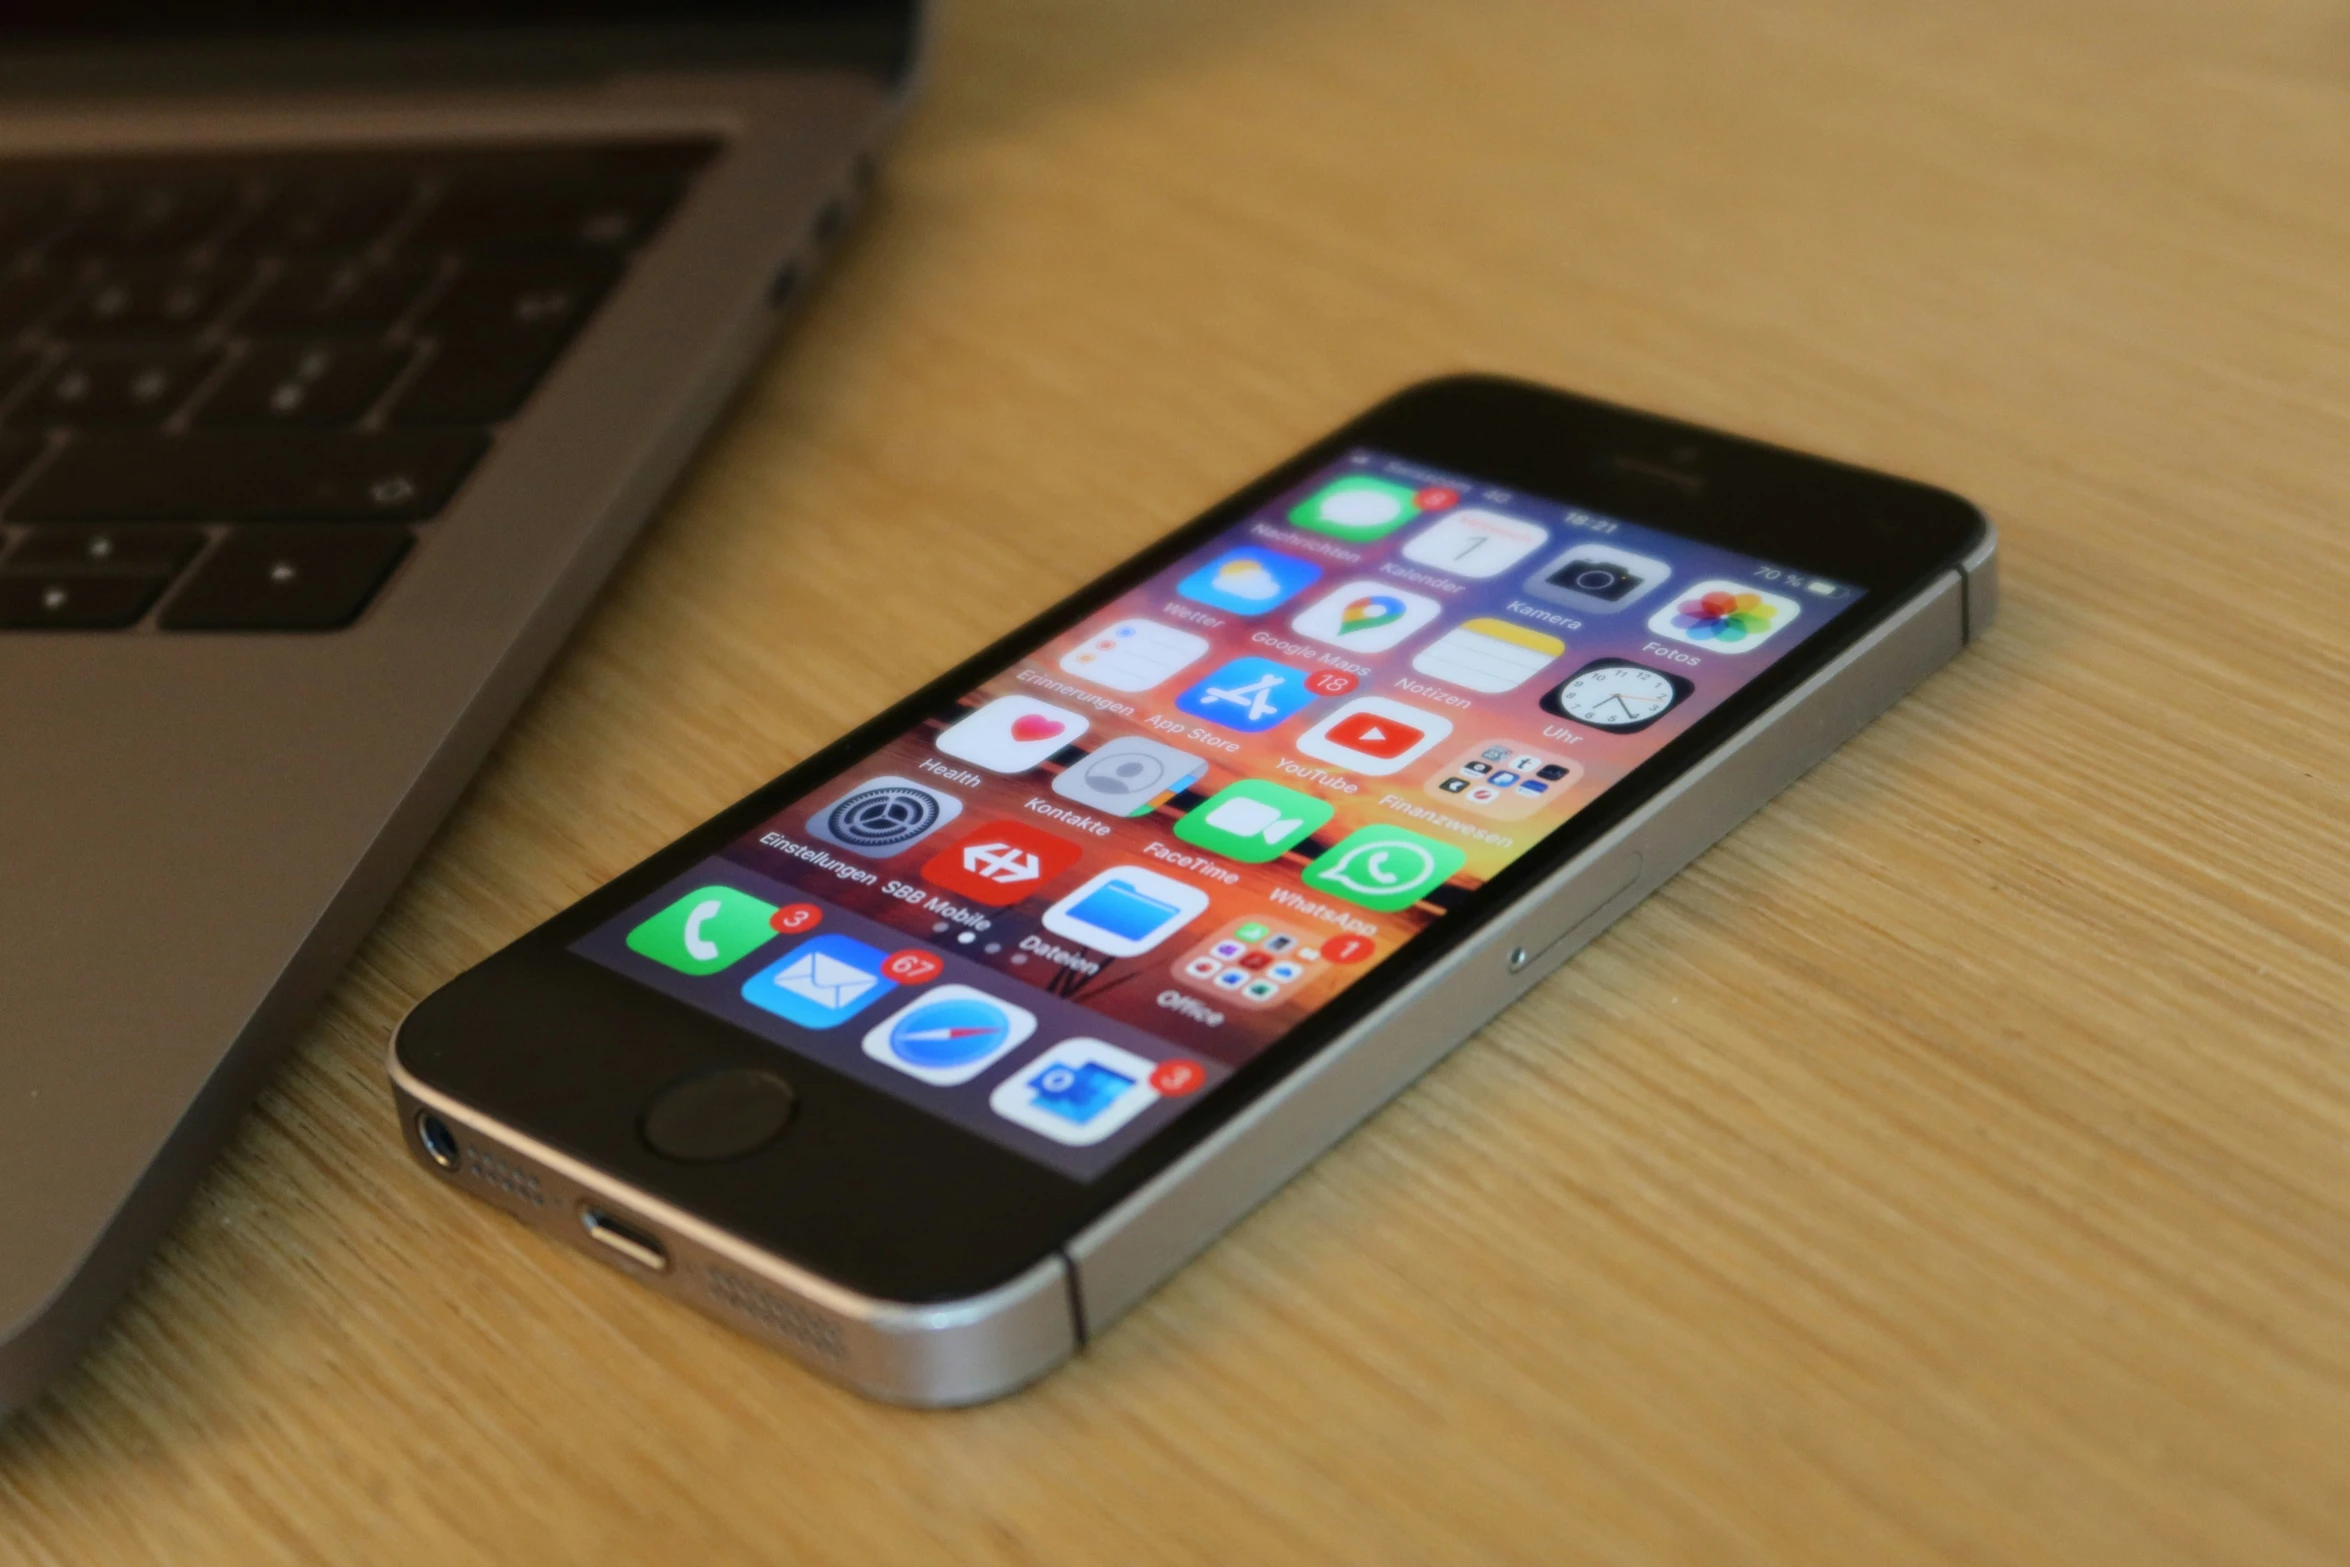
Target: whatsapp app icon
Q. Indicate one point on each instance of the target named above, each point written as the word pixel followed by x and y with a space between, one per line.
pixel 1384 868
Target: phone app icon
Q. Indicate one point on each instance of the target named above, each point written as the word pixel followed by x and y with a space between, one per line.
pixel 1598 579
pixel 1126 911
pixel 1358 508
pixel 1248 694
pixel 1503 779
pixel 1474 544
pixel 1724 617
pixel 1012 734
pixel 1000 863
pixel 879 818
pixel 1134 655
pixel 823 981
pixel 1383 868
pixel 1129 775
pixel 1249 581
pixel 1253 822
pixel 1374 735
pixel 1489 655
pixel 1365 617
pixel 708 929
pixel 1618 695
pixel 950 1036
pixel 1078 1092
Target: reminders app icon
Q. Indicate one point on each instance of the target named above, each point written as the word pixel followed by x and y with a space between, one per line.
pixel 1126 911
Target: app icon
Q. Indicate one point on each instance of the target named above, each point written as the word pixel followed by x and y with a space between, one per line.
pixel 1475 544
pixel 1248 694
pixel 1253 822
pixel 1724 617
pixel 1012 734
pixel 1510 793
pixel 1000 863
pixel 1384 868
pixel 1126 911
pixel 879 818
pixel 1128 775
pixel 1488 655
pixel 1078 1092
pixel 949 1036
pixel 1133 655
pixel 1618 695
pixel 1598 579
pixel 1250 954
pixel 1374 735
pixel 705 931
pixel 1358 509
pixel 824 980
pixel 1249 581
pixel 1365 617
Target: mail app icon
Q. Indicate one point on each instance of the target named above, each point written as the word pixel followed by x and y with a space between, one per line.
pixel 824 981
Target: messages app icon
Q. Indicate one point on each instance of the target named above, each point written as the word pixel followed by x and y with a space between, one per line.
pixel 825 980
pixel 705 931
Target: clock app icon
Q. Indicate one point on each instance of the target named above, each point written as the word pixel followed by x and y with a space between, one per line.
pixel 1617 695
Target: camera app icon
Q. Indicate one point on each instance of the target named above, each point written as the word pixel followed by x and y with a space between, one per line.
pixel 1598 579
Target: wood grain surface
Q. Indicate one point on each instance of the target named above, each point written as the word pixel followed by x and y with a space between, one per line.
pixel 1953 1166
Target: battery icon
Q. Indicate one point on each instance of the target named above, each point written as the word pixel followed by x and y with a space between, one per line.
pixel 1823 587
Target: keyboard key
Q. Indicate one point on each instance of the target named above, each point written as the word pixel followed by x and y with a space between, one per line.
pixel 335 299
pixel 496 331
pixel 32 211
pixel 66 602
pixel 17 453
pixel 136 549
pixel 498 213
pixel 252 475
pixel 315 385
pixel 114 387
pixel 29 294
pixel 287 579
pixel 152 300
pixel 340 213
pixel 156 216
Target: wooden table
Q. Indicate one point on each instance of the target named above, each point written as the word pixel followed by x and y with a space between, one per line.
pixel 1952 1166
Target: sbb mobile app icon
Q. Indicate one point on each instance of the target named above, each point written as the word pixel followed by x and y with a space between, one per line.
pixel 1000 863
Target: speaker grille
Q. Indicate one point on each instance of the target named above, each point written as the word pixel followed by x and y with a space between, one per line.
pixel 774 1313
pixel 516 1182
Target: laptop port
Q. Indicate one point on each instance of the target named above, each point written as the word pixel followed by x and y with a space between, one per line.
pixel 638 1246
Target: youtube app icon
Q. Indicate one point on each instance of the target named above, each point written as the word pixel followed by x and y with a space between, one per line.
pixel 1374 735
pixel 1000 863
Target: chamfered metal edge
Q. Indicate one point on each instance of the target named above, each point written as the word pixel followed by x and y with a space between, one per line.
pixel 1981 571
pixel 930 1356
pixel 1126 1253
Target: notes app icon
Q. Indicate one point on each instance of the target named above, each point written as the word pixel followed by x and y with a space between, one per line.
pixel 1489 655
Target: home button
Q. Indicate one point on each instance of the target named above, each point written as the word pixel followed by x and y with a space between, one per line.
pixel 719 1115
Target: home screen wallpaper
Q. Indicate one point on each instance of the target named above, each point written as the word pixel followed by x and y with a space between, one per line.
pixel 1065 910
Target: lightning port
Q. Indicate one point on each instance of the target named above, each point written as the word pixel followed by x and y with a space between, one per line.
pixel 645 1250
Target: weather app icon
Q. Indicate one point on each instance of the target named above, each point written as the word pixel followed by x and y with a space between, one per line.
pixel 1249 581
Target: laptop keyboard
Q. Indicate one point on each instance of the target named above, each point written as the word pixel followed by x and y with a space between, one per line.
pixel 234 393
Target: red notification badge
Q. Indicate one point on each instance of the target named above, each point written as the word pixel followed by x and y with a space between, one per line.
pixel 793 918
pixel 1348 948
pixel 1177 1078
pixel 1330 682
pixel 912 966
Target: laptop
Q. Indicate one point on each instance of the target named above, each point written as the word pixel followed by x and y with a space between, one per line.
pixel 346 348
